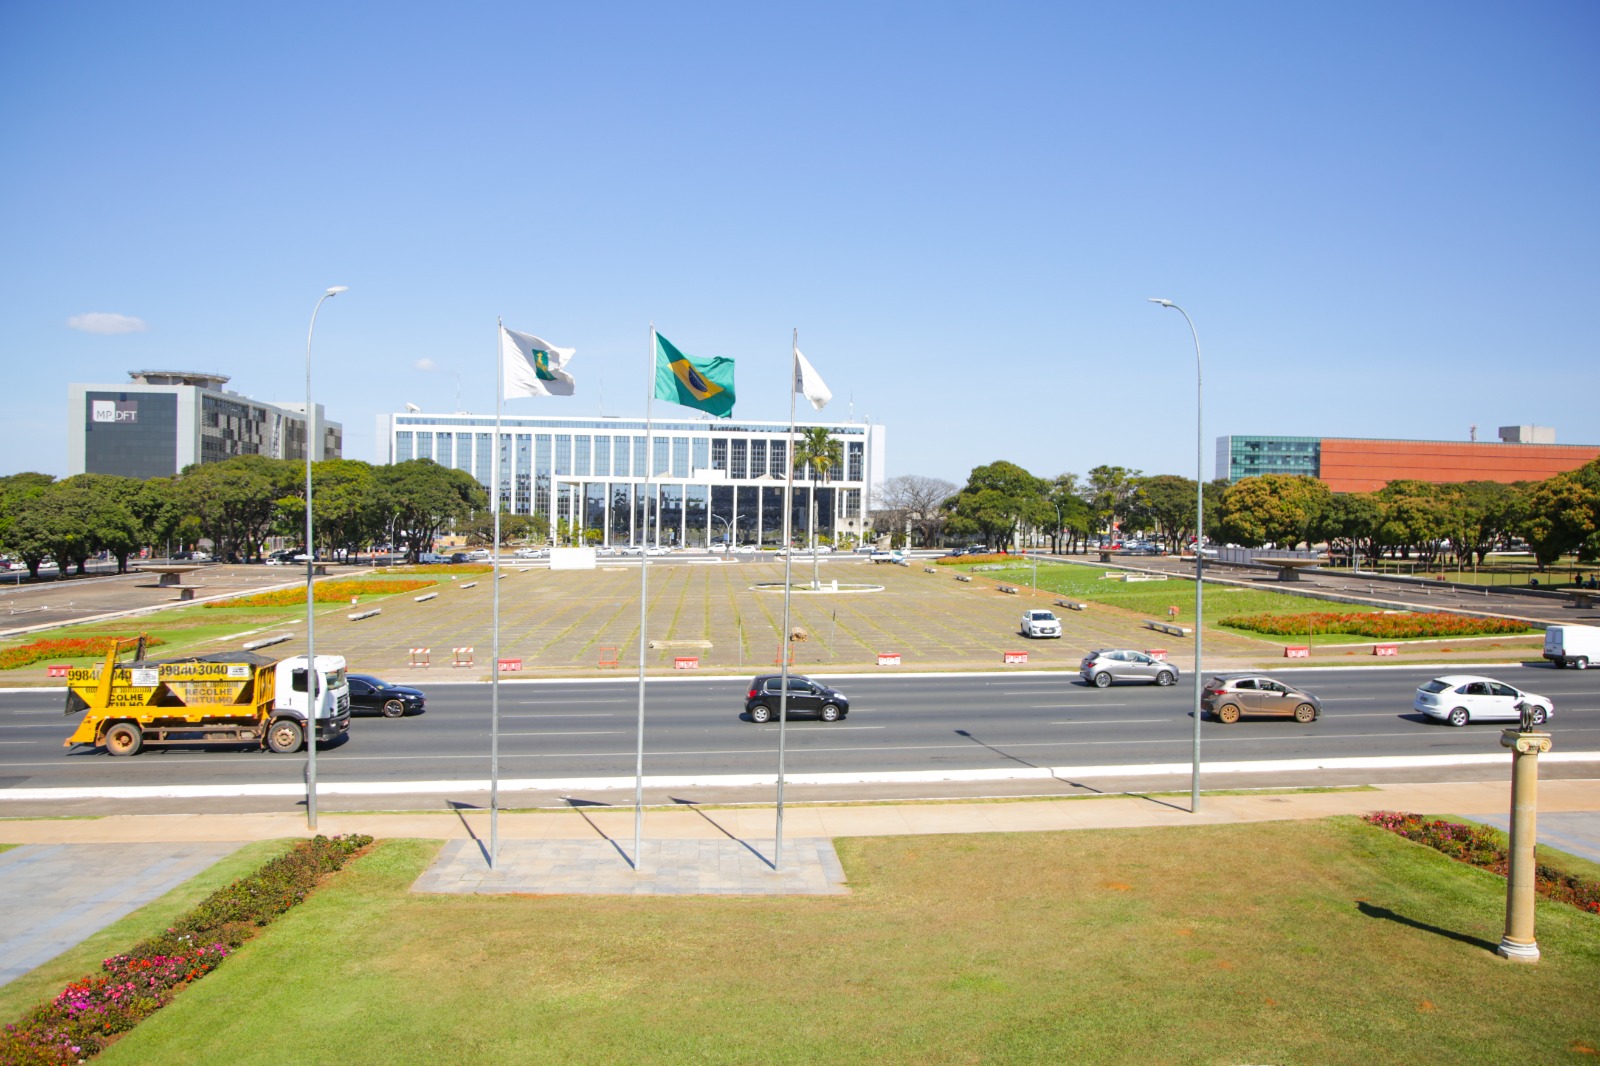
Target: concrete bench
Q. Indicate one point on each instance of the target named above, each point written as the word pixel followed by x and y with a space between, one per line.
pixel 1010 590
pixel 963 577
pixel 1072 605
pixel 1168 628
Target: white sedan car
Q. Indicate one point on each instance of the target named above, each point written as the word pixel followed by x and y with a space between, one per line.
pixel 1462 698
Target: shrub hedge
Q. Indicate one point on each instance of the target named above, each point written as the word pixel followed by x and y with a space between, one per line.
pixel 1376 625
pixel 92 1011
pixel 1480 846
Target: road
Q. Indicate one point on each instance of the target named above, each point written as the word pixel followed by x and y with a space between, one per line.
pixel 913 736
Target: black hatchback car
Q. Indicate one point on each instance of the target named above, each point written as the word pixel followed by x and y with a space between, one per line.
pixel 373 695
pixel 806 697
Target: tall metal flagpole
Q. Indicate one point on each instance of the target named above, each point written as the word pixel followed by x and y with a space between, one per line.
pixel 644 571
pixel 783 638
pixel 494 678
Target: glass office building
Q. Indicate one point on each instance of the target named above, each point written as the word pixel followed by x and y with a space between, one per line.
pixel 161 421
pixel 1240 457
pixel 682 483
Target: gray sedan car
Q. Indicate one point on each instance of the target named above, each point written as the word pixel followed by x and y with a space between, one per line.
pixel 1101 668
pixel 1231 696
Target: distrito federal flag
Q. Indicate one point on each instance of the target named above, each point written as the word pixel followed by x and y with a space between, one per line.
pixel 704 384
pixel 534 367
pixel 809 383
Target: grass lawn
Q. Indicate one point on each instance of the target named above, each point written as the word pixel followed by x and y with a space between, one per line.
pixel 1325 942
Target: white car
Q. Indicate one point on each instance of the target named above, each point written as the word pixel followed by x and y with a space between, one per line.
pixel 1462 698
pixel 745 549
pixel 1037 623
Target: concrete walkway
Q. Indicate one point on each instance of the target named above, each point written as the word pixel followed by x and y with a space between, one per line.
pixel 57 895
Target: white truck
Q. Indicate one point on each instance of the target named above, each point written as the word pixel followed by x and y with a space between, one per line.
pixel 1040 623
pixel 1575 646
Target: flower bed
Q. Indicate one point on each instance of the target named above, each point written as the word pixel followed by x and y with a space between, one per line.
pixel 448 568
pixel 62 648
pixel 1480 846
pixel 963 560
pixel 92 1011
pixel 329 592
pixel 1378 626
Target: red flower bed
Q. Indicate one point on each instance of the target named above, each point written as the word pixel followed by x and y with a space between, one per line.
pixel 328 592
pixel 1377 626
pixel 63 648
pixel 1480 846
pixel 92 1011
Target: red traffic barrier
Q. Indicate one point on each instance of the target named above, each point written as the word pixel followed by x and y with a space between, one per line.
pixel 1159 654
pixel 686 662
pixel 888 658
pixel 1386 649
pixel 56 670
pixel 508 665
pixel 1014 657
pixel 419 657
pixel 460 656
pixel 1296 651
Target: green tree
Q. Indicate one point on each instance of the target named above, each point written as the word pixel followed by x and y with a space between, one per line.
pixel 238 501
pixel 997 501
pixel 1168 501
pixel 816 454
pixel 426 498
pixel 104 504
pixel 1279 509
pixel 1110 493
pixel 1558 516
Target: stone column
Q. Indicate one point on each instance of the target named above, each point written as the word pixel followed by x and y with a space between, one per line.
pixel 1518 943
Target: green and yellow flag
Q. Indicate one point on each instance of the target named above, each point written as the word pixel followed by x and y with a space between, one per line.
pixel 704 384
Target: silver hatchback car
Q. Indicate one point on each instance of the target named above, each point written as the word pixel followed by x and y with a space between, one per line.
pixel 1100 668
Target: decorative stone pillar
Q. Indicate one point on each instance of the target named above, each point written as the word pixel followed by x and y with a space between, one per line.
pixel 1518 943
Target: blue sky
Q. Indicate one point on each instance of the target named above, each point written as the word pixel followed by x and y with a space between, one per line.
pixel 1381 216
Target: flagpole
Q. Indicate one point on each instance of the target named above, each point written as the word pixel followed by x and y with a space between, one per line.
pixel 644 571
pixel 494 677
pixel 788 589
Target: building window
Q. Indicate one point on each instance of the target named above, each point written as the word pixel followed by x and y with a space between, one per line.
pixel 719 455
pixel 680 456
pixel 661 459
pixel 702 453
pixel 581 464
pixel 621 464
pixel 602 457
pixel 403 446
pixel 856 456
pixel 564 453
pixel 780 459
pixel 739 467
pixel 758 458
pixel 638 457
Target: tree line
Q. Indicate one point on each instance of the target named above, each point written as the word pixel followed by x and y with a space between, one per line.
pixel 1412 519
pixel 238 505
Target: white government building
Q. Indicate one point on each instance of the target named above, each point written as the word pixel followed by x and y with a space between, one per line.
pixel 713 480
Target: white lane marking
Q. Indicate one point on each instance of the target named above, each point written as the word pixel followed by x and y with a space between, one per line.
pixel 561 699
pixel 575 714
pixel 561 733
pixel 1114 721
pixel 846 728
pixel 574 784
pixel 1070 706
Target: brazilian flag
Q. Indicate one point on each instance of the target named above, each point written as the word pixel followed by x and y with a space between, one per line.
pixel 704 384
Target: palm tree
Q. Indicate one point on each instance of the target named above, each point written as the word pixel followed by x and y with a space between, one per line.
pixel 821 453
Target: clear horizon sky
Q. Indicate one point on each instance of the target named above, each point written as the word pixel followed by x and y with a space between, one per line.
pixel 1382 217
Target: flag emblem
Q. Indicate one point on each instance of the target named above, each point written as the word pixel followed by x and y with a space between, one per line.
pixel 541 366
pixel 704 384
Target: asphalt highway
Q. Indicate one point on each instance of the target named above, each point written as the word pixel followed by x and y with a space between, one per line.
pixel 905 735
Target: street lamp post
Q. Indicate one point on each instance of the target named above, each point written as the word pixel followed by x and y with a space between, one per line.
pixel 1199 542
pixel 314 685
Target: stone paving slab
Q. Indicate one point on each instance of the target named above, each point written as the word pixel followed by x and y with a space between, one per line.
pixel 56 895
pixel 675 867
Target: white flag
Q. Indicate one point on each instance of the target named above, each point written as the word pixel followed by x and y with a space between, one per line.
pixel 809 383
pixel 534 367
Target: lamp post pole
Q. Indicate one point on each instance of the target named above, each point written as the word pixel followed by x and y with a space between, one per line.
pixel 1199 542
pixel 314 685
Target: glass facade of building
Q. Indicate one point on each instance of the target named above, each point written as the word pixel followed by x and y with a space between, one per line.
pixel 710 482
pixel 1241 457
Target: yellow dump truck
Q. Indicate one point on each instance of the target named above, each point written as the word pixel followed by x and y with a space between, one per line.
pixel 226 698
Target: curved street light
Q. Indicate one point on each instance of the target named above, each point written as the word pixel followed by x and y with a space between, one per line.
pixel 1199 541
pixel 314 685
